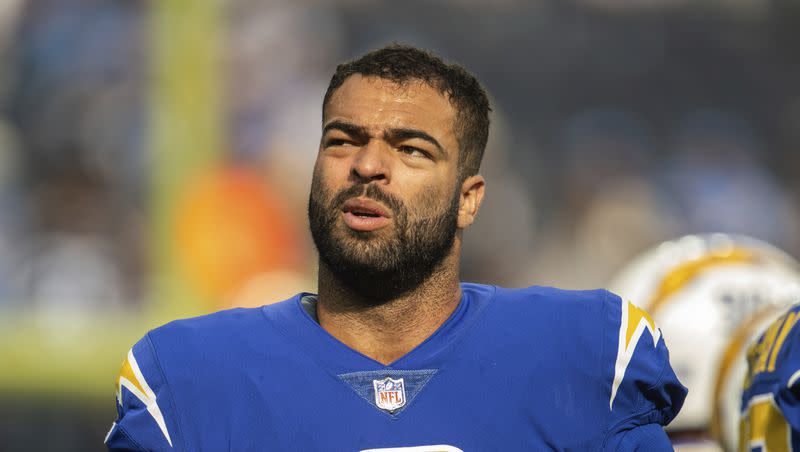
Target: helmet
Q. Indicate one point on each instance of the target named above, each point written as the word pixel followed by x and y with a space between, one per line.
pixel 702 290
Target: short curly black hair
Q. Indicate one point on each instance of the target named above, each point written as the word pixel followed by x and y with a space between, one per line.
pixel 402 63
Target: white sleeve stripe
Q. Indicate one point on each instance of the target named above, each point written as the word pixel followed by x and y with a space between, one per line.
pixel 149 398
pixel 625 351
pixel 113 424
pixel 135 366
pixel 793 379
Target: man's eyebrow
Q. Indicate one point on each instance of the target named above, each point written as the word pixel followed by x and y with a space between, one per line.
pixel 407 134
pixel 346 127
pixel 361 133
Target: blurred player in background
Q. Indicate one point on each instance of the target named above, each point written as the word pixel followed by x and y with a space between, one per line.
pixel 771 398
pixel 710 294
pixel 394 353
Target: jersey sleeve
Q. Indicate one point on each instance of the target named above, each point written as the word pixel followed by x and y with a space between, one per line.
pixel 146 418
pixel 644 438
pixel 645 394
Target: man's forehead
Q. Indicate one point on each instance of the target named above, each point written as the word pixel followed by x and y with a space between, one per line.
pixel 398 86
pixel 415 100
pixel 410 87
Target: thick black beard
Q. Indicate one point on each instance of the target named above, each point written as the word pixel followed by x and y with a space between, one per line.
pixel 381 269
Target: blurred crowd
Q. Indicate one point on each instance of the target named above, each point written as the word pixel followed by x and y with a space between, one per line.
pixel 617 125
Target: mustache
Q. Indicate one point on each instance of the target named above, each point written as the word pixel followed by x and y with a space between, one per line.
pixel 370 191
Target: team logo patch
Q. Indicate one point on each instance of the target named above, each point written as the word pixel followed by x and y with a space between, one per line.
pixel 390 394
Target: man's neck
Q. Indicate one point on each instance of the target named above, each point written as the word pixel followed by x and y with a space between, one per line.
pixel 388 330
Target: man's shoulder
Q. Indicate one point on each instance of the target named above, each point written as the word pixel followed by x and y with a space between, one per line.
pixel 228 327
pixel 586 320
pixel 582 315
pixel 592 339
pixel 187 360
pixel 774 357
pixel 539 300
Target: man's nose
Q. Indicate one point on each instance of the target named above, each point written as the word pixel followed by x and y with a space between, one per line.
pixel 371 162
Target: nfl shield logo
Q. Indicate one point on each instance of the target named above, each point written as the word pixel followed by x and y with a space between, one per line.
pixel 390 394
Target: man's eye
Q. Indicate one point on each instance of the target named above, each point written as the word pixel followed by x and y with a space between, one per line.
pixel 412 151
pixel 337 142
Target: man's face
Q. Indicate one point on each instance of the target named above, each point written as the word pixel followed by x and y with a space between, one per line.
pixel 384 198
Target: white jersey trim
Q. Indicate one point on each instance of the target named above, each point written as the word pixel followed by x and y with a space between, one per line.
pixel 625 349
pixel 148 397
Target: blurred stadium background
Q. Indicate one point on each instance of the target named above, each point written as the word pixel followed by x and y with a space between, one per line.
pixel 155 158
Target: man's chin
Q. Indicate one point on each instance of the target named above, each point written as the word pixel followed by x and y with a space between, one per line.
pixel 360 236
pixel 346 231
pixel 365 259
pixel 346 238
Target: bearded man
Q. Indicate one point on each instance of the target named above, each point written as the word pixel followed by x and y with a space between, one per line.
pixel 394 353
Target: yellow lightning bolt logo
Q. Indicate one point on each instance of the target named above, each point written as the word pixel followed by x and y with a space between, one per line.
pixel 633 323
pixel 131 378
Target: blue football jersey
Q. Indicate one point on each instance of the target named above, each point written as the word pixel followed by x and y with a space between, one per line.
pixel 771 396
pixel 511 370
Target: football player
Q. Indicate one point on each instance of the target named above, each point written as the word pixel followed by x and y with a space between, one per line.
pixel 710 294
pixel 770 402
pixel 394 353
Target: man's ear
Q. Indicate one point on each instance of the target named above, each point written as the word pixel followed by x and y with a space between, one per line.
pixel 472 190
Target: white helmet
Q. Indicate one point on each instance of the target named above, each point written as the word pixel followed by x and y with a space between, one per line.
pixel 702 290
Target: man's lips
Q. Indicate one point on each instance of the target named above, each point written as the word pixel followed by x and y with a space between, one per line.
pixel 365 206
pixel 362 214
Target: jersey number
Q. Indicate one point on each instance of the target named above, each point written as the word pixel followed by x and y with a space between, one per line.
pixel 763 427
